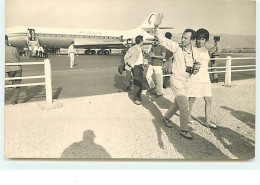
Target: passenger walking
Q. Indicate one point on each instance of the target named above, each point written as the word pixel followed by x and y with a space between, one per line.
pixel 157 54
pixel 40 51
pixel 214 53
pixel 30 51
pixel 71 54
pixel 45 51
pixel 135 59
pixel 200 85
pixel 184 55
pixel 167 65
pixel 12 56
pixel 36 50
pixel 128 69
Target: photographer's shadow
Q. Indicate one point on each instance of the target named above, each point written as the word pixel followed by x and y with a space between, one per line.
pixel 86 148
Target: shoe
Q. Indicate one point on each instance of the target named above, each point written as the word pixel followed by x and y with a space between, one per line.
pixel 192 121
pixel 72 68
pixel 209 125
pixel 186 134
pixel 137 102
pixel 151 89
pixel 14 102
pixel 167 122
pixel 158 95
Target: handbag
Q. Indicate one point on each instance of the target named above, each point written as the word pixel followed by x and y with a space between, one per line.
pixel 121 67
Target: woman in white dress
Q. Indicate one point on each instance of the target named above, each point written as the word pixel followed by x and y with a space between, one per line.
pixel 200 85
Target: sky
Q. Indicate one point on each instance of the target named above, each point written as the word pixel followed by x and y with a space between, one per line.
pixel 219 17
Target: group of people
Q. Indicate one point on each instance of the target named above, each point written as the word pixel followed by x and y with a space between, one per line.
pixel 188 65
pixel 38 51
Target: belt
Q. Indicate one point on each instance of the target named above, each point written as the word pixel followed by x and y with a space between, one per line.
pixel 71 52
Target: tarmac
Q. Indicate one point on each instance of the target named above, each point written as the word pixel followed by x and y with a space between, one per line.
pixel 112 127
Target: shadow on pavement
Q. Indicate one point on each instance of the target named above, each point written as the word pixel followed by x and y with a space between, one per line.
pixel 120 82
pixel 245 117
pixel 196 149
pixel 57 93
pixel 86 148
pixel 32 92
pixel 237 144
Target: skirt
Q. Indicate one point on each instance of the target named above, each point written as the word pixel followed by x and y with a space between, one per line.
pixel 199 90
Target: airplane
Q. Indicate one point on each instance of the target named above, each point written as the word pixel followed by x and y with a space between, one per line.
pixel 92 40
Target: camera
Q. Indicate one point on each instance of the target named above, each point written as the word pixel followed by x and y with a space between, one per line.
pixel 189 70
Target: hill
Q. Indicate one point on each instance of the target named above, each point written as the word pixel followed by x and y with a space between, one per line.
pixel 228 41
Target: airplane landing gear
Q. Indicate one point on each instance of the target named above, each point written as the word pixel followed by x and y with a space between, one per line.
pixel 106 52
pixel 100 52
pixel 87 52
pixel 92 52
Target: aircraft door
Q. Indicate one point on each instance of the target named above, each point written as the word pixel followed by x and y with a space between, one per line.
pixel 31 34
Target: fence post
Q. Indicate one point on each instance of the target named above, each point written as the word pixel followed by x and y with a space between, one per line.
pixel 48 86
pixel 228 72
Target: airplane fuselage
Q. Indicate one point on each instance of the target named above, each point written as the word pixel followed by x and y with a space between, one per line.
pixel 62 38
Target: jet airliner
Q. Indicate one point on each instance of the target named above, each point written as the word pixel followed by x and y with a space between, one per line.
pixel 92 40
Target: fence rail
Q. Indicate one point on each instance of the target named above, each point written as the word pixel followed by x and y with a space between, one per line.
pixel 46 76
pixel 228 68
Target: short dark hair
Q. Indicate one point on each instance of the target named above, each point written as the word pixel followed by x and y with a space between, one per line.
pixel 72 42
pixel 202 33
pixel 168 35
pixel 6 37
pixel 139 39
pixel 193 33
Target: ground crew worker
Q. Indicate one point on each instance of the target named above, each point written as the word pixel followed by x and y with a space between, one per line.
pixel 214 53
pixel 71 54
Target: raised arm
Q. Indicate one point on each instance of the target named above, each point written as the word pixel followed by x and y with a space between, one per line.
pixel 167 43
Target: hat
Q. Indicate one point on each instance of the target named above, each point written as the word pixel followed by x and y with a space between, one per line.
pixel 217 38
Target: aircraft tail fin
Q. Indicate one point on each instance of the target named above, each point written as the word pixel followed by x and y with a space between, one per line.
pixel 149 22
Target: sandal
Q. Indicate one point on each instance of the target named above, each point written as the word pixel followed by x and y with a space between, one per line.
pixel 167 122
pixel 209 125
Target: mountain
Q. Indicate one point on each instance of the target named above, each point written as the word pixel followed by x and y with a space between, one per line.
pixel 228 41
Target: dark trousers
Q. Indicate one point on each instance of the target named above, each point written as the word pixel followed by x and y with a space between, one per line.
pixel 138 82
pixel 36 54
pixel 40 54
pixel 45 54
pixel 16 90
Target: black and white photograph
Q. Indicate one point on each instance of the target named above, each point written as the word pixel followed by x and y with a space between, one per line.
pixel 130 80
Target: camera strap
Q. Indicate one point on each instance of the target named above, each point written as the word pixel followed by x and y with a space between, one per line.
pixel 183 50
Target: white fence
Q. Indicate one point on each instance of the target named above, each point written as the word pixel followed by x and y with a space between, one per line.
pixel 228 68
pixel 46 76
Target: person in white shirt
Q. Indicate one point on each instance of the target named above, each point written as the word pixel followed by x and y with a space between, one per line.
pixel 36 49
pixel 134 58
pixel 71 54
pixel 183 67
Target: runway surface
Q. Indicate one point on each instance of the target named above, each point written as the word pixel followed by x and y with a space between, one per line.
pixel 92 75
